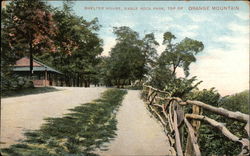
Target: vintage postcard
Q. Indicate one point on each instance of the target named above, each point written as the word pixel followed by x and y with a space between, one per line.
pixel 109 78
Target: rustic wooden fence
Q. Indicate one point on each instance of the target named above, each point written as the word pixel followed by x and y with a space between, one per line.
pixel 170 112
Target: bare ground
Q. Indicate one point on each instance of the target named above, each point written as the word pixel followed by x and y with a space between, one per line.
pixel 138 133
pixel 27 112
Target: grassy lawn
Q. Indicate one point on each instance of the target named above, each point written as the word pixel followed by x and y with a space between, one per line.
pixel 80 132
pixel 28 91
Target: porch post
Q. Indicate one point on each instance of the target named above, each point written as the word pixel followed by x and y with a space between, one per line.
pixel 45 76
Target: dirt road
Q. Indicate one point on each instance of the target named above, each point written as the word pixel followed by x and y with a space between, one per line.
pixel 138 133
pixel 27 112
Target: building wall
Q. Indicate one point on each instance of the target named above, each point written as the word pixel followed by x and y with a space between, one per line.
pixel 38 78
pixel 41 83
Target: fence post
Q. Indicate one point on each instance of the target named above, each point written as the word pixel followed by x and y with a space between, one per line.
pixel 149 94
pixel 196 126
pixel 182 129
pixel 144 92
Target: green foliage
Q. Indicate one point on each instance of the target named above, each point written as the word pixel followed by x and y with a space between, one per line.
pixel 160 77
pixel 14 83
pixel 104 74
pixel 211 140
pixel 55 36
pixel 180 54
pixel 176 55
pixel 180 87
pixel 135 87
pixel 126 58
pixel 78 46
pixel 177 87
pixel 8 56
pixel 149 50
pixel 131 58
pixel 236 102
pixel 208 96
pixel 29 27
pixel 80 132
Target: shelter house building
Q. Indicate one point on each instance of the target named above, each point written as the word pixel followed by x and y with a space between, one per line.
pixel 43 75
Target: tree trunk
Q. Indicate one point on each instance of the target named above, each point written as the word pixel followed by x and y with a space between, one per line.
pixel 81 81
pixel 174 69
pixel 66 81
pixel 31 59
pixel 118 83
pixel 68 84
pixel 89 82
pixel 123 84
pixel 73 81
pixel 78 80
pixel 85 83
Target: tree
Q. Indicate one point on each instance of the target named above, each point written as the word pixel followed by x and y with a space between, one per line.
pixel 8 56
pixel 126 57
pixel 103 71
pixel 29 25
pixel 149 49
pixel 179 54
pixel 78 47
pixel 180 87
pixel 151 56
pixel 159 77
pixel 131 58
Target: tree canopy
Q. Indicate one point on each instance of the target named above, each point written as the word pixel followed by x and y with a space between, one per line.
pixel 131 57
pixel 179 54
pixel 78 46
pixel 29 27
pixel 176 55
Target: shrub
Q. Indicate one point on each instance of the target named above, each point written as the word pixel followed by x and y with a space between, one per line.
pixel 14 83
pixel 211 140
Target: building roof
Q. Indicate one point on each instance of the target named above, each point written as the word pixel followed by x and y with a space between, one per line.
pixel 23 64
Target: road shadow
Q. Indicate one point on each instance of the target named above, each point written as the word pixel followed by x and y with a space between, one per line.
pixel 86 128
pixel 29 91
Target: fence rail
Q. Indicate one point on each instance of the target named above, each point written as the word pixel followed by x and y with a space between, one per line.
pixel 170 112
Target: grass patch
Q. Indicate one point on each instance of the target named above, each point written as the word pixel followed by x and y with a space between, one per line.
pixel 134 87
pixel 28 91
pixel 78 133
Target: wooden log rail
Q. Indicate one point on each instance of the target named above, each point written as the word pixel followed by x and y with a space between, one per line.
pixel 169 111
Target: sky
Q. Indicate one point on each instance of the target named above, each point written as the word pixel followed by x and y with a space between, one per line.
pixel 224 62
